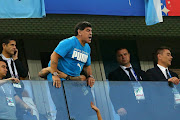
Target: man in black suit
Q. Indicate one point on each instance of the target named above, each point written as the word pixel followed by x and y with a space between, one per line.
pixel 122 97
pixel 10 55
pixel 161 72
pixel 164 100
pixel 125 72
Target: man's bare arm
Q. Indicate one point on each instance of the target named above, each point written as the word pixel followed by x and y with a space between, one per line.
pixel 97 111
pixel 23 104
pixel 15 80
pixel 90 79
pixel 54 63
pixel 45 71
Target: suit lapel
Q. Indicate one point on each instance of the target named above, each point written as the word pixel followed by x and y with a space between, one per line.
pixel 125 77
pixel 159 73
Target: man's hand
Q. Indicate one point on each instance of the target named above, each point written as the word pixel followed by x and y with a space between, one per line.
pixel 90 81
pixel 82 77
pixel 61 74
pixel 15 57
pixel 56 81
pixel 174 80
pixel 15 80
pixel 29 109
pixel 94 107
pixel 122 112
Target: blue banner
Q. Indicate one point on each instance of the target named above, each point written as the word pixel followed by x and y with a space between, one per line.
pixel 22 9
pixel 153 12
pixel 96 7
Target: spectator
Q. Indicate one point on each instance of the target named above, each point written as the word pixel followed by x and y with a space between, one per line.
pixel 10 55
pixel 9 98
pixel 72 54
pixel 125 72
pixel 161 71
pixel 14 66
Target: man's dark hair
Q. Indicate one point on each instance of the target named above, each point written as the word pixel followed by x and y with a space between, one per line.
pixel 159 51
pixel 120 49
pixel 1 60
pixel 81 26
pixel 6 40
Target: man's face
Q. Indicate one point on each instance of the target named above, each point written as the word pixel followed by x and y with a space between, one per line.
pixel 3 69
pixel 10 48
pixel 123 57
pixel 86 34
pixel 165 58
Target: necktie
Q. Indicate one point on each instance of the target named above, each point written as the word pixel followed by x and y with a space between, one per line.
pixel 168 76
pixel 130 74
pixel 167 73
pixel 12 67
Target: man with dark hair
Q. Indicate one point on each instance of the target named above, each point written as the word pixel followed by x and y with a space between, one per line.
pixel 71 55
pixel 14 66
pixel 161 72
pixel 69 58
pixel 8 96
pixel 125 72
pixel 10 55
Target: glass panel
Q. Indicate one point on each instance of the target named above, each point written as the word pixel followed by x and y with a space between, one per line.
pixel 39 100
pixel 31 100
pixel 157 104
pixel 79 97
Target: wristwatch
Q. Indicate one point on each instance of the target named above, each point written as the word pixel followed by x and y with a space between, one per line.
pixel 91 76
pixel 55 74
pixel 68 77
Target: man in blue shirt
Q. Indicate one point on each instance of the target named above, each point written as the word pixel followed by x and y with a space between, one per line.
pixel 72 55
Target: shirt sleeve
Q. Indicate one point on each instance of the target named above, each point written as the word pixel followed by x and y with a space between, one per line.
pixel 64 47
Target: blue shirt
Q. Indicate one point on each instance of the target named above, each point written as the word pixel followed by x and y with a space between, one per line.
pixel 6 111
pixel 73 57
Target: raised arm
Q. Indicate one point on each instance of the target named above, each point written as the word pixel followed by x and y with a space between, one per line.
pixel 97 111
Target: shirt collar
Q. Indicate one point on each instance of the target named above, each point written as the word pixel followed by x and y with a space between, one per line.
pixel 162 68
pixel 124 67
pixel 7 59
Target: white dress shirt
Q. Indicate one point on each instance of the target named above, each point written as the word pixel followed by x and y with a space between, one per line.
pixel 163 69
pixel 9 65
pixel 132 71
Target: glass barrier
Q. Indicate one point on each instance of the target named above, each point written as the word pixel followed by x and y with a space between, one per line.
pixel 79 97
pixel 32 100
pixel 39 100
pixel 145 100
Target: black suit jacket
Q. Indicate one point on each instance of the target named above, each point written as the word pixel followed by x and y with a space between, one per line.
pixel 165 100
pixel 120 75
pixel 22 72
pixel 122 94
pixel 155 74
